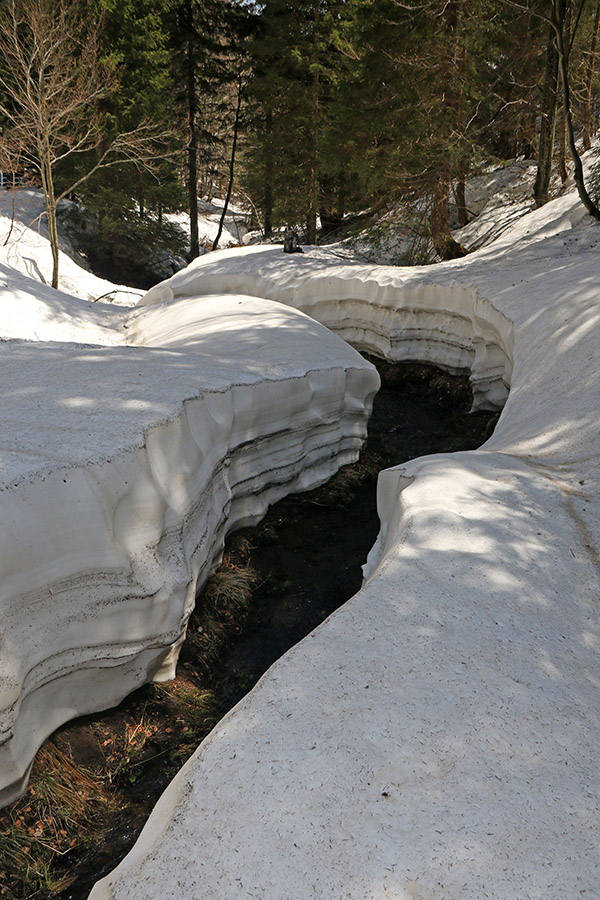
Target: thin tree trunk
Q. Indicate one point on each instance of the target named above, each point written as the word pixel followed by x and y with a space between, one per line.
pixel 231 165
pixel 268 207
pixel 459 189
pixel 443 242
pixel 562 150
pixel 331 209
pixel 313 174
pixel 460 62
pixel 50 204
pixel 192 149
pixel 12 213
pixel 558 21
pixel 562 142
pixel 541 189
pixel 445 245
pixel 589 80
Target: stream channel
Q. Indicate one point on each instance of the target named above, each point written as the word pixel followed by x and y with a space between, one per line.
pixel 278 581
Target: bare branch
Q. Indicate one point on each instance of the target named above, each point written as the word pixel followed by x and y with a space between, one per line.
pixel 52 80
pixel 524 7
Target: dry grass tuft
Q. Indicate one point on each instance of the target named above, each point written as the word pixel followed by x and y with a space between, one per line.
pixel 222 607
pixel 57 813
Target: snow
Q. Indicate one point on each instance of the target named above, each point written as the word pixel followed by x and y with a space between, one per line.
pixel 132 444
pixel 24 246
pixel 209 216
pixel 437 737
pixel 497 198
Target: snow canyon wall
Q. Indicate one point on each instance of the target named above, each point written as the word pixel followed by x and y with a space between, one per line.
pixel 122 470
pixel 376 309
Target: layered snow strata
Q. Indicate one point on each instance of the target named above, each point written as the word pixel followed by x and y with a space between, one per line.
pixel 438 737
pixel 121 471
pixel 395 314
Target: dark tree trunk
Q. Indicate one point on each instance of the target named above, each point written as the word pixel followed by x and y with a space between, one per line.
pixel 459 189
pixel 192 148
pixel 562 150
pixel 236 128
pixel 589 80
pixel 558 23
pixel 311 226
pixel 331 207
pixel 445 245
pixel 268 209
pixel 313 170
pixel 562 137
pixel 541 189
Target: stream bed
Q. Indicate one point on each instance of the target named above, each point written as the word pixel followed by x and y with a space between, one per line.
pixel 278 581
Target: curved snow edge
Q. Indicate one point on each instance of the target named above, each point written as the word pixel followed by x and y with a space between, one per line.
pixel 137 535
pixel 438 735
pixel 449 325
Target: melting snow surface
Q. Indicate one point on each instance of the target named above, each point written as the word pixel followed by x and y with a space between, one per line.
pixel 437 737
pixel 130 447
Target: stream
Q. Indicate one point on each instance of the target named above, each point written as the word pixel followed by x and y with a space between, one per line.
pixel 304 561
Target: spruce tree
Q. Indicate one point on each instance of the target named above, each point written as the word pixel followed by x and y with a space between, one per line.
pixel 128 203
pixel 296 61
pixel 418 121
pixel 204 39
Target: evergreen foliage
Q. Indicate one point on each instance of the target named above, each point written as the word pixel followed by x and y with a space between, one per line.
pixel 127 205
pixel 311 111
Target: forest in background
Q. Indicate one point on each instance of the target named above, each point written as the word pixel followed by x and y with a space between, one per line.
pixel 305 111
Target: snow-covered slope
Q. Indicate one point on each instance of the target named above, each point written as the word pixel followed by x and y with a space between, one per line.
pixel 437 738
pixel 25 248
pixel 127 454
pixel 24 245
pixel 209 217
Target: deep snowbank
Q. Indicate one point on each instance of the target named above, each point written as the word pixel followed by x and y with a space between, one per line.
pixel 122 469
pixel 396 314
pixel 438 736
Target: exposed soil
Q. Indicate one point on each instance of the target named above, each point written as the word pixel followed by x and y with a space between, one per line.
pixel 277 582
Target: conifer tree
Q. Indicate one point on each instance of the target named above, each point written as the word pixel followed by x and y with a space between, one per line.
pixel 131 201
pixel 204 38
pixel 296 65
pixel 564 19
pixel 424 66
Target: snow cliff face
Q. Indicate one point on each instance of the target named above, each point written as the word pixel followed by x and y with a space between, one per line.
pixel 123 468
pixel 437 737
pixel 396 314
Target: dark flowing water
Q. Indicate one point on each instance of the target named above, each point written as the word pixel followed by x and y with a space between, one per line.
pixel 307 555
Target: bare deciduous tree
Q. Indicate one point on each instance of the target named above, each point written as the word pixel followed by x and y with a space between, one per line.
pixel 557 17
pixel 589 80
pixel 51 83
